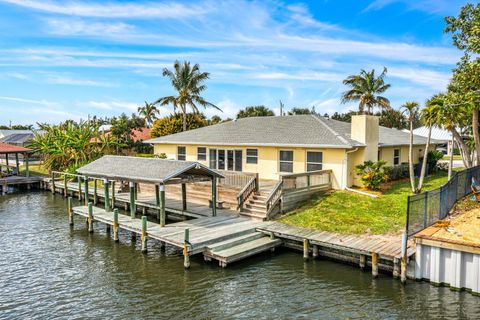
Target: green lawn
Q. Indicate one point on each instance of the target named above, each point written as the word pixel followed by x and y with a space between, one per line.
pixel 349 212
pixel 35 170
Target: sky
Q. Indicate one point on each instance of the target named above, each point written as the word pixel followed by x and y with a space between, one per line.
pixel 70 59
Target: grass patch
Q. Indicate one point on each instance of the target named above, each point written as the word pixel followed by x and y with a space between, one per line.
pixel 35 170
pixel 348 212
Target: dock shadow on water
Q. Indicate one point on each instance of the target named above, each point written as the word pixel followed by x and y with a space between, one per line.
pixel 48 270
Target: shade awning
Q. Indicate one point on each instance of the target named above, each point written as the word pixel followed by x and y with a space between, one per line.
pixel 8 148
pixel 147 170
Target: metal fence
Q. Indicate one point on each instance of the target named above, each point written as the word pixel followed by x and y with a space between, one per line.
pixel 426 208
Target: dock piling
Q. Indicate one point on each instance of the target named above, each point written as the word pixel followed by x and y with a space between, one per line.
pixel 315 251
pixel 133 209
pixel 403 270
pixel 65 186
pixel 305 249
pixel 113 194
pixel 107 196
pixel 362 261
pixel 85 187
pixel 70 210
pixel 162 205
pixel 186 254
pixel 90 217
pixel 396 267
pixel 374 264
pixel 95 196
pixel 53 182
pixel 144 234
pixel 79 180
pixel 115 225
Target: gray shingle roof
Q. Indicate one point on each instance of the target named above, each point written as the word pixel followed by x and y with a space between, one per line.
pixel 18 138
pixel 149 170
pixel 286 131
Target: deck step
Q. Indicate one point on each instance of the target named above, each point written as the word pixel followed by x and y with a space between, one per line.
pixel 235 241
pixel 242 250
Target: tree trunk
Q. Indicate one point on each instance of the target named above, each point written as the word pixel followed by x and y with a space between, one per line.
pixel 463 148
pixel 184 115
pixel 476 136
pixel 450 164
pixel 410 159
pixel 424 162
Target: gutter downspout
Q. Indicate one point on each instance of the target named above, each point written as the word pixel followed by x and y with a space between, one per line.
pixel 345 168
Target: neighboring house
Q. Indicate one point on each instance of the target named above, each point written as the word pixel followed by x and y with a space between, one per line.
pixel 273 146
pixel 138 135
pixel 437 134
pixel 18 139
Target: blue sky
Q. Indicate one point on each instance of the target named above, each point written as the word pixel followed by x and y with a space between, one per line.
pixel 69 59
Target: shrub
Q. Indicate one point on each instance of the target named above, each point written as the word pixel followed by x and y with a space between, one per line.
pixel 432 160
pixel 372 174
pixel 397 172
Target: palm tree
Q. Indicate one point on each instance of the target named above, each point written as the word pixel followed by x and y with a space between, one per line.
pixel 429 116
pixel 149 113
pixel 255 111
pixel 188 81
pixel 365 88
pixel 410 109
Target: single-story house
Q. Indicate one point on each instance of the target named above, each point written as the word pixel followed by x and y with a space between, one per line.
pixel 438 134
pixel 274 146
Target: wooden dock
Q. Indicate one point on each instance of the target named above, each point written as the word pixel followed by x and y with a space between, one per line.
pixel 18 181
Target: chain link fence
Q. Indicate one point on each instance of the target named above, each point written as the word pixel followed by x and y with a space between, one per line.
pixel 426 208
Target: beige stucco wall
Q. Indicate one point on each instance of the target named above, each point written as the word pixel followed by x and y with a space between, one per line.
pixel 268 159
pixel 365 130
pixel 386 153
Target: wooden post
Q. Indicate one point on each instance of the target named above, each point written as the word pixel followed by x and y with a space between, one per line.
pixel 186 254
pixel 53 182
pixel 315 251
pixel 133 208
pixel 107 197
pixel 65 186
pixel 115 225
pixel 184 197
pixel 144 234
pixel 79 188
pixel 136 190
pixel 162 205
pixel 6 161
pixel 157 200
pixel 113 194
pixel 70 210
pixel 17 163
pixel 90 217
pixel 396 267
pixel 95 195
pixel 363 261
pixel 27 169
pixel 85 189
pixel 305 249
pixel 403 269
pixel 374 264
pixel 214 196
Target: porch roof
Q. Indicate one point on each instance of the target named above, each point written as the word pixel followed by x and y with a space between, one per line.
pixel 148 170
pixel 6 148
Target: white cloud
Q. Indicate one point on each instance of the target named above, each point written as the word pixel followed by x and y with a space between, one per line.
pixel 229 110
pixel 165 10
pixel 80 27
pixel 114 105
pixel 429 6
pixel 432 79
pixel 315 76
pixel 41 102
pixel 67 80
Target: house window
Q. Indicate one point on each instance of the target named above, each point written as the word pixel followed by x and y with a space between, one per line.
pixel 213 158
pixel 252 156
pixel 201 153
pixel 396 157
pixel 181 153
pixel 286 161
pixel 314 160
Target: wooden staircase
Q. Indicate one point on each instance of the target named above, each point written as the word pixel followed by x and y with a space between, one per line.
pixel 240 247
pixel 255 206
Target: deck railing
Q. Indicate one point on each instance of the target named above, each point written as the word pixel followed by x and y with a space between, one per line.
pixel 248 189
pixel 236 179
pixel 274 197
pixel 306 180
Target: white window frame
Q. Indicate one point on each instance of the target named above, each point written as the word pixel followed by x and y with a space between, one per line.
pixel 254 158
pixel 204 154
pixel 315 163
pixel 280 161
pixel 184 155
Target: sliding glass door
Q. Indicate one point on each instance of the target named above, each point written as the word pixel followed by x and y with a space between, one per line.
pixel 226 159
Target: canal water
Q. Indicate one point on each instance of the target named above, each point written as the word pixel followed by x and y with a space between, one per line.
pixel 49 271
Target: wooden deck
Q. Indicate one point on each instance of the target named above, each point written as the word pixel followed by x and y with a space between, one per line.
pixel 17 181
pixel 387 249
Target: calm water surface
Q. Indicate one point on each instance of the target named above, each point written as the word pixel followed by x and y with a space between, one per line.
pixel 49 271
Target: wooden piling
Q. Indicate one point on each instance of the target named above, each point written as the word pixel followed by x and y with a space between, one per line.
pixel 53 182
pixel 396 267
pixel 133 208
pixel 184 196
pixel 305 249
pixel 403 269
pixel 113 194
pixel 70 210
pixel 374 264
pixel 186 254
pixel 162 205
pixel 315 251
pixel 362 261
pixel 214 196
pixel 106 195
pixel 79 180
pixel 85 189
pixel 95 193
pixel 65 186
pixel 115 225
pixel 144 234
pixel 90 217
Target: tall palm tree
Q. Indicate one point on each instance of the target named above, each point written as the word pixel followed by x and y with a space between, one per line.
pixel 410 109
pixel 188 81
pixel 149 113
pixel 429 116
pixel 365 88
